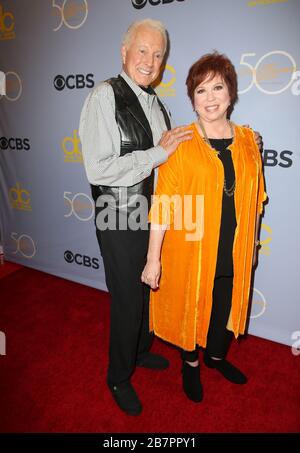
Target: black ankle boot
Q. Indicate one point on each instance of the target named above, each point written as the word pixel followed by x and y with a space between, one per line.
pixel 191 382
pixel 229 371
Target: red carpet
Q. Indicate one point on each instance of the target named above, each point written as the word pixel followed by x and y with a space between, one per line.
pixel 52 378
pixel 7 268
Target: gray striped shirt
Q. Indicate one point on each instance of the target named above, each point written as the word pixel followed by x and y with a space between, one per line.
pixel 100 138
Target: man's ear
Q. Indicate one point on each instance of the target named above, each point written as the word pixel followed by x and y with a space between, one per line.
pixel 123 54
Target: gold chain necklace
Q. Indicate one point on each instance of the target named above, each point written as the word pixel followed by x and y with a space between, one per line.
pixel 229 192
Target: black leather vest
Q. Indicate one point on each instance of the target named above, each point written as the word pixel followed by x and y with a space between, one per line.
pixel 135 134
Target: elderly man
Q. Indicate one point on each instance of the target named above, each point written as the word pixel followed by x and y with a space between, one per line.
pixel 126 132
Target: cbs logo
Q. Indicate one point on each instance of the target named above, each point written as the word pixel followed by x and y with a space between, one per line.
pixel 139 4
pixel 13 88
pixel 72 13
pixel 24 245
pixel 272 158
pixel 20 144
pixel 73 81
pixel 81 260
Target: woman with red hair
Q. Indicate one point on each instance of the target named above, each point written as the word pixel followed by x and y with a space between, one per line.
pixel 213 184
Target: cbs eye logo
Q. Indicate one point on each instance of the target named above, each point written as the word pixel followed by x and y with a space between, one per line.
pixel 81 260
pixel 73 81
pixel 69 257
pixel 19 144
pixel 139 4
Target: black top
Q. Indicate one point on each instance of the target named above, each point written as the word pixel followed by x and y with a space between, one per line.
pixel 228 220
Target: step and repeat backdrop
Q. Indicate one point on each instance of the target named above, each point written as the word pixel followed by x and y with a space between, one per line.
pixel 53 52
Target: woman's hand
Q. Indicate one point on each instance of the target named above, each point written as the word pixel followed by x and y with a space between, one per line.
pixel 151 273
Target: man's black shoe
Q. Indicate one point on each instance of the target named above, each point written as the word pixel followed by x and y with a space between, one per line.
pixel 153 361
pixel 191 382
pixel 126 398
pixel 229 371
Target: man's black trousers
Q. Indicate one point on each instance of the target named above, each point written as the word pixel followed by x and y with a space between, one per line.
pixel 124 256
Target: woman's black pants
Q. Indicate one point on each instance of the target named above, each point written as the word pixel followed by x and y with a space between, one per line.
pixel 218 339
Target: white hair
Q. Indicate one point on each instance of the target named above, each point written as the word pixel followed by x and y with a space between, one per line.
pixel 151 23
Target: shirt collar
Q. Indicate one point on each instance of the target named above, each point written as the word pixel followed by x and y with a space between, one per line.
pixel 138 91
